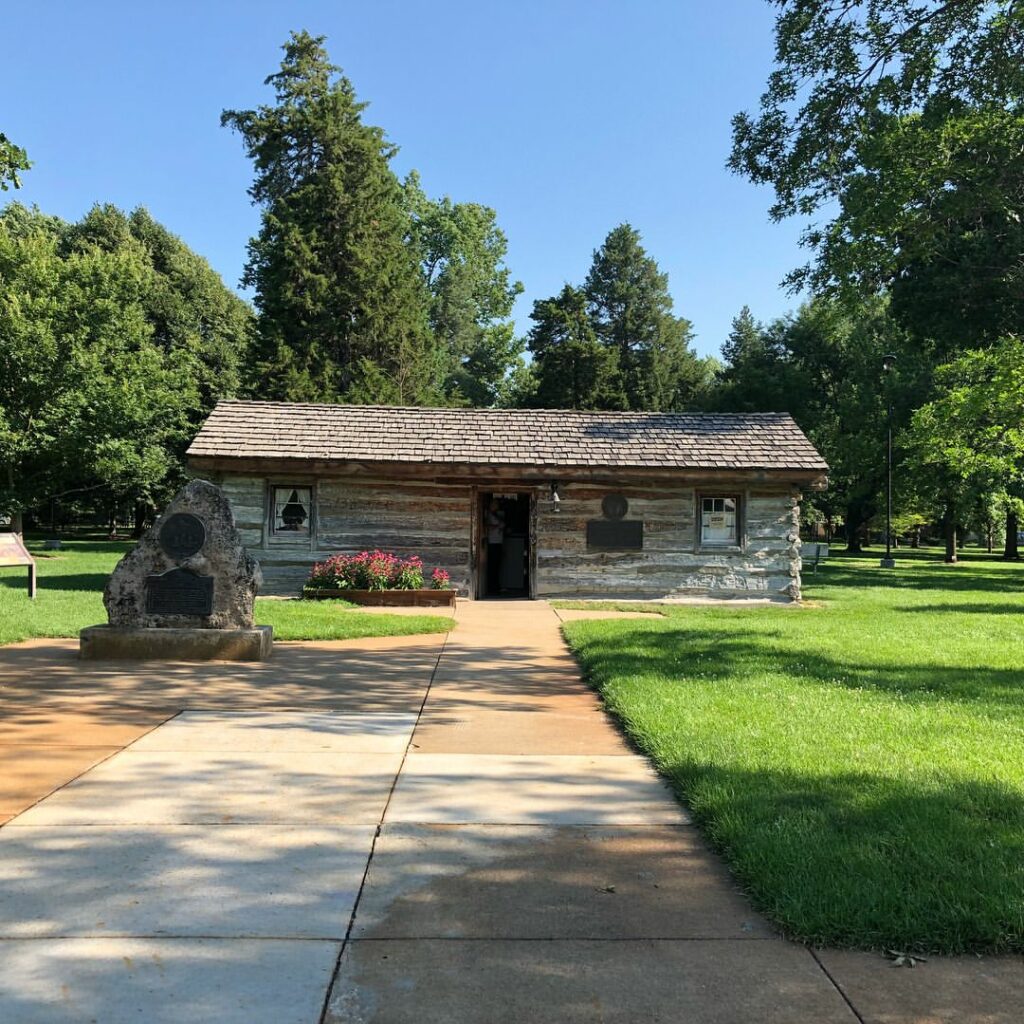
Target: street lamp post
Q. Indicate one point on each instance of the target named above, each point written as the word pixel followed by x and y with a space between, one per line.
pixel 888 363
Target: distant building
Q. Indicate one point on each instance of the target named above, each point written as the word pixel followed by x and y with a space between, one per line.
pixel 542 503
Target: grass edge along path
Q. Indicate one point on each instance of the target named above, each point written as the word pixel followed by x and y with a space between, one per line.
pixel 860 764
pixel 647 607
pixel 70 598
pixel 304 620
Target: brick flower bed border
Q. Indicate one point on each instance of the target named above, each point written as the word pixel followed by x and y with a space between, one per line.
pixel 386 598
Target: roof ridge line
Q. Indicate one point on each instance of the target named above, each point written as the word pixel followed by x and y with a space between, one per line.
pixel 477 410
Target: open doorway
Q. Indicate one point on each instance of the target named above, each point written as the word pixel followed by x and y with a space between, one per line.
pixel 505 544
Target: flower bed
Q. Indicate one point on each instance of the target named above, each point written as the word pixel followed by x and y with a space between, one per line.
pixel 378 578
pixel 389 598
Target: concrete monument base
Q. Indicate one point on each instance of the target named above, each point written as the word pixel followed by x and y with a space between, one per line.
pixel 141 643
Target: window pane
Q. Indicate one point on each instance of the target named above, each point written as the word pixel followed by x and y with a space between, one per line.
pixel 291 509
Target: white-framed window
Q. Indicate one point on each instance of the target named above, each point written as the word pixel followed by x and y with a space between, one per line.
pixel 292 511
pixel 720 521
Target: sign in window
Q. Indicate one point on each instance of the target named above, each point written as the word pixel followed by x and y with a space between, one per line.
pixel 718 522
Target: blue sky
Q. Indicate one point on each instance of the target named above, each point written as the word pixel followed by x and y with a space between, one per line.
pixel 567 116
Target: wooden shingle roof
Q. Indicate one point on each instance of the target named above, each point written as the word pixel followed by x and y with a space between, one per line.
pixel 540 438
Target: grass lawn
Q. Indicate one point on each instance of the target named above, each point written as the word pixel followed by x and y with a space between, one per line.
pixel 860 763
pixel 611 606
pixel 70 597
pixel 339 620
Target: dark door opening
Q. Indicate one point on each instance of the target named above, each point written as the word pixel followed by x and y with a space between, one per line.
pixel 505 551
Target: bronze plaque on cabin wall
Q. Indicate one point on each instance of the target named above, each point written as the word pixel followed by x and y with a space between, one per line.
pixel 615 534
pixel 179 592
pixel 614 506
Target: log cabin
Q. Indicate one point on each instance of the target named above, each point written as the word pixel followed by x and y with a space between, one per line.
pixel 536 503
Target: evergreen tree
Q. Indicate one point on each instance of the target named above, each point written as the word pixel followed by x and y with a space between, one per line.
pixel 757 375
pixel 745 339
pixel 572 369
pixel 343 310
pixel 631 310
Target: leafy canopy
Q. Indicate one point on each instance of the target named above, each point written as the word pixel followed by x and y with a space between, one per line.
pixel 461 251
pixel 12 160
pixel 115 341
pixel 823 366
pixel 901 121
pixel 974 428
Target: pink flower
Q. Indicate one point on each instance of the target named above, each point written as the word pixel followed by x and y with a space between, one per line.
pixel 367 570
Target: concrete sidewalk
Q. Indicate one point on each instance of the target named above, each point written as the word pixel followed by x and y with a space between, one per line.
pixel 205 868
pixel 388 831
pixel 532 868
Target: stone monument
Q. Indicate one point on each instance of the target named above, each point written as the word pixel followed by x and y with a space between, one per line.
pixel 186 591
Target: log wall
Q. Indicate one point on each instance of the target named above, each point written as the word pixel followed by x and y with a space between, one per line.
pixel 409 517
pixel 671 563
pixel 435 520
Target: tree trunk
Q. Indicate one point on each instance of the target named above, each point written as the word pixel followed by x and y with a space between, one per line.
pixel 915 537
pixel 856 518
pixel 139 527
pixel 949 529
pixel 990 529
pixel 1010 553
pixel 17 520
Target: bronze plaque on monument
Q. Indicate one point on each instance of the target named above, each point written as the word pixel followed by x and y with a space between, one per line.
pixel 182 535
pixel 179 592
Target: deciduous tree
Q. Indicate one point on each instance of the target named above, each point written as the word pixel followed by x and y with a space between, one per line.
pixel 902 121
pixel 970 438
pixel 823 365
pixel 115 341
pixel 462 253
pixel 899 126
pixel 12 160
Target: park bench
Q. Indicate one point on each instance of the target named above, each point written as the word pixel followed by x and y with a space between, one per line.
pixel 814 552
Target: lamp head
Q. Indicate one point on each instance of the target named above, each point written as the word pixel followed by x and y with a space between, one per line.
pixel 888 362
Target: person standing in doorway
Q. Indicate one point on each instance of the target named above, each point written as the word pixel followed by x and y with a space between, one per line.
pixel 495 540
